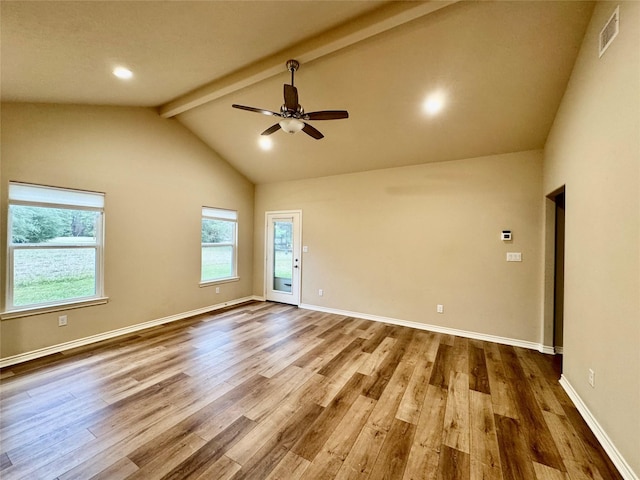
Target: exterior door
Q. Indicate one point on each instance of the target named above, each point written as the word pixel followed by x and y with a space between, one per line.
pixel 284 265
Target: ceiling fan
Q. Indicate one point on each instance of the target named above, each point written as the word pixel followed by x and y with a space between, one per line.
pixel 292 113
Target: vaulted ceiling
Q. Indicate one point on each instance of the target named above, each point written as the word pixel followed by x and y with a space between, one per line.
pixel 501 67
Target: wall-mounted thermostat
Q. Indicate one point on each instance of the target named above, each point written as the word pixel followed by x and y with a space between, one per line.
pixel 505 235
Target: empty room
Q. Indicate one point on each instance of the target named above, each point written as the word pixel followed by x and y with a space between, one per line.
pixel 320 240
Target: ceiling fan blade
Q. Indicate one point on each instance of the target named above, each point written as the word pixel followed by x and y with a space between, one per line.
pixel 312 132
pixel 290 97
pixel 326 115
pixel 256 110
pixel 270 130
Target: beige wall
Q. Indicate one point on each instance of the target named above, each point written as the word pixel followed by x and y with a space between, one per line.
pixel 156 176
pixel 594 149
pixel 396 242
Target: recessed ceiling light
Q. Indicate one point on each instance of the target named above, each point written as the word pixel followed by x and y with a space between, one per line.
pixel 265 143
pixel 434 103
pixel 122 73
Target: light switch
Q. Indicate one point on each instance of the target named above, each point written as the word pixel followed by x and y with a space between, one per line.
pixel 305 249
pixel 514 256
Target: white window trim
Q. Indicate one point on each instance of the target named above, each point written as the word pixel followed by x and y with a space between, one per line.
pixel 225 215
pixel 12 311
pixel 57 307
pixel 209 283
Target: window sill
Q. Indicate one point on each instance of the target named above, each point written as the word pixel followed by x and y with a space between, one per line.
pixel 208 283
pixel 58 307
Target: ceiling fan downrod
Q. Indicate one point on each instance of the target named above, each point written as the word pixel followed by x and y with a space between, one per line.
pixel 292 66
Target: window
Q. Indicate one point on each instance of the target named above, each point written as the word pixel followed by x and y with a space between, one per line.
pixel 54 246
pixel 219 245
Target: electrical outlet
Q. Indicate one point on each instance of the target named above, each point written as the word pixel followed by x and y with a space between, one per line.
pixel 514 256
pixel 592 378
pixel 62 321
pixel 440 308
pixel 320 292
pixel 217 289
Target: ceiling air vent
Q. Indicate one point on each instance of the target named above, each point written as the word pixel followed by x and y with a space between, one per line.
pixel 610 31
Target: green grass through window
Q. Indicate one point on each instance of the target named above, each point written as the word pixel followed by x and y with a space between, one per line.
pixel 49 275
pixel 217 263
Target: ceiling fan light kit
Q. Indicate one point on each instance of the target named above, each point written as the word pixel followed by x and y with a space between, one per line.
pixel 291 125
pixel 292 113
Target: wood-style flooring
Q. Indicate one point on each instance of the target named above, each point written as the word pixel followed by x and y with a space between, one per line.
pixel 270 391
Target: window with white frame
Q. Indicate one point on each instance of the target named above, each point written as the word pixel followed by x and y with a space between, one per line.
pixel 55 246
pixel 219 245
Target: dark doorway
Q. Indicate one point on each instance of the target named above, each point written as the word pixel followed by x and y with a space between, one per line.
pixel 558 198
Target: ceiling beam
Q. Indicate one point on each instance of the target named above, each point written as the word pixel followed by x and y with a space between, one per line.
pixel 380 20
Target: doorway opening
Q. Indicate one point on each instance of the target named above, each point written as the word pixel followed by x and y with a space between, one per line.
pixel 556 223
pixel 558 288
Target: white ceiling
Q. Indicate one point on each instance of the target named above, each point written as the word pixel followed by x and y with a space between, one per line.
pixel 503 67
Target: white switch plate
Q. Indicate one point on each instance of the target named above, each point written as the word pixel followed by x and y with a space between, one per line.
pixel 62 320
pixel 514 256
pixel 305 249
pixel 440 308
pixel 320 292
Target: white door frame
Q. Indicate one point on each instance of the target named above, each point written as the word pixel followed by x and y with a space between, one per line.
pixel 294 297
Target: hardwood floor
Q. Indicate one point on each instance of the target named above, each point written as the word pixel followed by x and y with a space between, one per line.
pixel 269 391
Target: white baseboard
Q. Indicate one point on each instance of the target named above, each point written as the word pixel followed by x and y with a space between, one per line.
pixel 618 460
pixel 547 349
pixel 61 347
pixel 431 328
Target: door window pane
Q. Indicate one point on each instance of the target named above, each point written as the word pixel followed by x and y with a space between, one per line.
pixel 282 255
